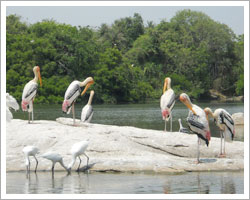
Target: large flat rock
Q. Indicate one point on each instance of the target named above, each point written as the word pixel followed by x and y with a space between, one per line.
pixel 115 148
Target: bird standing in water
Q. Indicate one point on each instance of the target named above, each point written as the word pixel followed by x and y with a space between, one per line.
pixel 30 151
pixel 29 92
pixel 225 123
pixel 167 102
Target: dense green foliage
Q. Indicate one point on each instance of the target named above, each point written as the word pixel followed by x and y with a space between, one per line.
pixel 127 60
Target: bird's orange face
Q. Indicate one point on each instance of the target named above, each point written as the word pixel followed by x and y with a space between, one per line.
pixel 37 73
pixel 185 100
pixel 90 82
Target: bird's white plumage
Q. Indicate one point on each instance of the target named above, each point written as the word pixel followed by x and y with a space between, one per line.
pixel 167 101
pixel 29 91
pixel 87 113
pixel 54 157
pixel 30 150
pixel 71 91
pixel 11 102
pixel 79 148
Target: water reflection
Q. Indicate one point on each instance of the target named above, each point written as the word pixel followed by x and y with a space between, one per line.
pixel 122 183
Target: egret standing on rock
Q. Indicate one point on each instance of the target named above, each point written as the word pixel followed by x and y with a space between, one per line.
pixel 10 103
pixel 77 150
pixel 30 151
pixel 54 158
pixel 225 123
pixel 29 92
pixel 167 102
pixel 87 111
pixel 71 94
pixel 197 122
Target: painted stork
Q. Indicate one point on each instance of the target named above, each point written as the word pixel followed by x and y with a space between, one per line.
pixel 167 102
pixel 225 123
pixel 10 103
pixel 29 92
pixel 71 94
pixel 87 111
pixel 197 122
pixel 77 150
pixel 30 151
pixel 54 158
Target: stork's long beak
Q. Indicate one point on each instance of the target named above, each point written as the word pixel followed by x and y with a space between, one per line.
pixel 187 103
pixel 40 79
pixel 87 86
pixel 165 85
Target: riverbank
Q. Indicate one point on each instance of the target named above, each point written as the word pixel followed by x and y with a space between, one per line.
pixel 115 148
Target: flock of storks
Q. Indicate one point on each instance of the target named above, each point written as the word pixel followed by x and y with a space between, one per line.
pixel 197 120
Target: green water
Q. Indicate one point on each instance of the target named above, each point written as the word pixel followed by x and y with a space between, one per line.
pixel 146 116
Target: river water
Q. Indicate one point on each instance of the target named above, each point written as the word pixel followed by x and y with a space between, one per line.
pixel 146 116
pixel 126 183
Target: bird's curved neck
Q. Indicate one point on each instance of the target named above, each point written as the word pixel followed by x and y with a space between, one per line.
pixel 72 161
pixel 90 98
pixel 27 160
pixel 35 79
pixel 62 164
pixel 180 124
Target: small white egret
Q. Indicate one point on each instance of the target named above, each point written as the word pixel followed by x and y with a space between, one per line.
pixel 29 92
pixel 30 151
pixel 87 111
pixel 77 150
pixel 54 158
pixel 10 103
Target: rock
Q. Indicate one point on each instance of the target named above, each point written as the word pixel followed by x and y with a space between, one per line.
pixel 117 149
pixel 238 118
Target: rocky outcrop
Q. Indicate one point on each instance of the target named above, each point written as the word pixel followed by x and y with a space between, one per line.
pixel 115 148
pixel 238 118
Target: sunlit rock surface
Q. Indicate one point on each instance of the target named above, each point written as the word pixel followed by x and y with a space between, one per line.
pixel 117 148
pixel 238 118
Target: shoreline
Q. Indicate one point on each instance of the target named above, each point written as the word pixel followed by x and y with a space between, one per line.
pixel 118 148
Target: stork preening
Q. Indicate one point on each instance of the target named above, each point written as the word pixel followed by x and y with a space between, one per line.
pixel 77 150
pixel 197 122
pixel 225 123
pixel 30 151
pixel 167 102
pixel 71 94
pixel 54 158
pixel 10 103
pixel 29 92
pixel 87 111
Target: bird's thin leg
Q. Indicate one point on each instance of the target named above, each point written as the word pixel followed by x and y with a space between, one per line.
pixel 29 117
pixel 224 143
pixel 52 169
pixel 87 159
pixel 36 163
pixel 220 142
pixel 165 129
pixel 198 151
pixel 79 164
pixel 32 113
pixel 73 112
pixel 171 122
pixel 29 166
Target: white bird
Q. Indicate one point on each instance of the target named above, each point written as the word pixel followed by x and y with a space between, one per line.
pixel 87 111
pixel 54 158
pixel 29 92
pixel 71 94
pixel 197 122
pixel 77 150
pixel 167 102
pixel 10 103
pixel 30 151
pixel 182 129
pixel 225 123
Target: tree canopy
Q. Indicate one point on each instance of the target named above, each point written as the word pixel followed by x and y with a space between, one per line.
pixel 128 60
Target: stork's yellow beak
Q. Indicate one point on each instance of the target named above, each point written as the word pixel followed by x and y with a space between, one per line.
pixel 165 85
pixel 187 103
pixel 87 86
